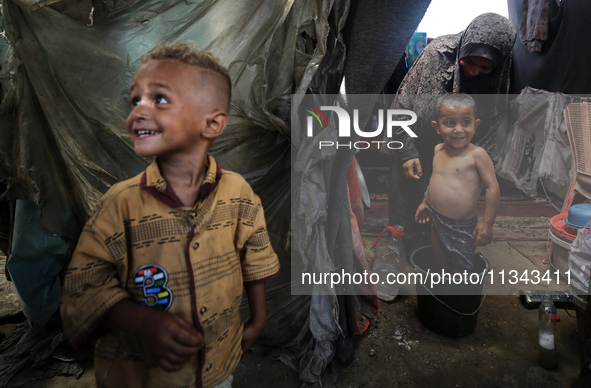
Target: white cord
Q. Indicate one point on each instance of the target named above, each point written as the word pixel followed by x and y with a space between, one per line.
pixel 548 197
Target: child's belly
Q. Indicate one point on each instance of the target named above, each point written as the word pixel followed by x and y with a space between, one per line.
pixel 454 203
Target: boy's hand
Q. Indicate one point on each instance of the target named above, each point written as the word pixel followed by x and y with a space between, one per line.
pixel 422 215
pixel 412 168
pixel 166 337
pixel 482 234
pixel 169 339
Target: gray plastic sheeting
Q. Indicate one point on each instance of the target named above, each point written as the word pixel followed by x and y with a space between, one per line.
pixel 66 96
pixel 534 152
pixel 44 254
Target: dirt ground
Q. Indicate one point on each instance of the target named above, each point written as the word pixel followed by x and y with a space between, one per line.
pixel 398 351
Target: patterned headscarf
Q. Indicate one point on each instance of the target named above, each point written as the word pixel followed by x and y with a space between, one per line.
pixel 438 71
pixel 490 36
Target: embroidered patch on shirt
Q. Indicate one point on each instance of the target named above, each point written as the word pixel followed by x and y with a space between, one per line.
pixel 153 278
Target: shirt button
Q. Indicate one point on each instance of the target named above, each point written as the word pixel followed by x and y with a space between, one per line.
pixel 203 310
pixel 196 246
pixel 192 215
pixel 208 367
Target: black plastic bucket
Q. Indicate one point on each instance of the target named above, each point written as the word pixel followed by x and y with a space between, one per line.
pixel 450 310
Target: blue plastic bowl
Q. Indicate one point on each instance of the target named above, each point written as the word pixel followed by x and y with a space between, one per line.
pixel 579 215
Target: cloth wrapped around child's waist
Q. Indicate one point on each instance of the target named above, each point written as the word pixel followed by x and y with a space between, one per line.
pixel 456 237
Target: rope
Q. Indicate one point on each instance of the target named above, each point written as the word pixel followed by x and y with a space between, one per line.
pixel 548 197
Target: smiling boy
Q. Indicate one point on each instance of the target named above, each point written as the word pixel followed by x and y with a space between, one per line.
pixel 460 171
pixel 159 270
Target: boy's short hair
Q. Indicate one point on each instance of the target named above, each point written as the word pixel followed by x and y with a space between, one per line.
pixel 456 100
pixel 191 56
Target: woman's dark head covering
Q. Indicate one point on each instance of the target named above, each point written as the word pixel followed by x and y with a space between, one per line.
pixel 437 70
pixel 484 51
pixel 489 36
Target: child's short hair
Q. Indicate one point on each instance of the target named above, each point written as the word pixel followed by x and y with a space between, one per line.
pixel 455 100
pixel 191 56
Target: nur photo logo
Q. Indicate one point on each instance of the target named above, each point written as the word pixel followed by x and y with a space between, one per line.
pixel 317 113
pixel 347 121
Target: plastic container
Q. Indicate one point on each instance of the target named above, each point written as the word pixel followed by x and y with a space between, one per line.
pixel 562 229
pixel 389 264
pixel 547 332
pixel 558 253
pixel 450 310
pixel 578 215
pixel 561 237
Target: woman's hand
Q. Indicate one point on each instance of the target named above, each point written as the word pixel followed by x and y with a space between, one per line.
pixel 412 168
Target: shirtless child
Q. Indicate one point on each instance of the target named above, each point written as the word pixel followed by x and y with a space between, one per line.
pixel 460 171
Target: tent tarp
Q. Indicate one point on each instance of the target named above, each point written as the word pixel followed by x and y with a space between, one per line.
pixel 533 147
